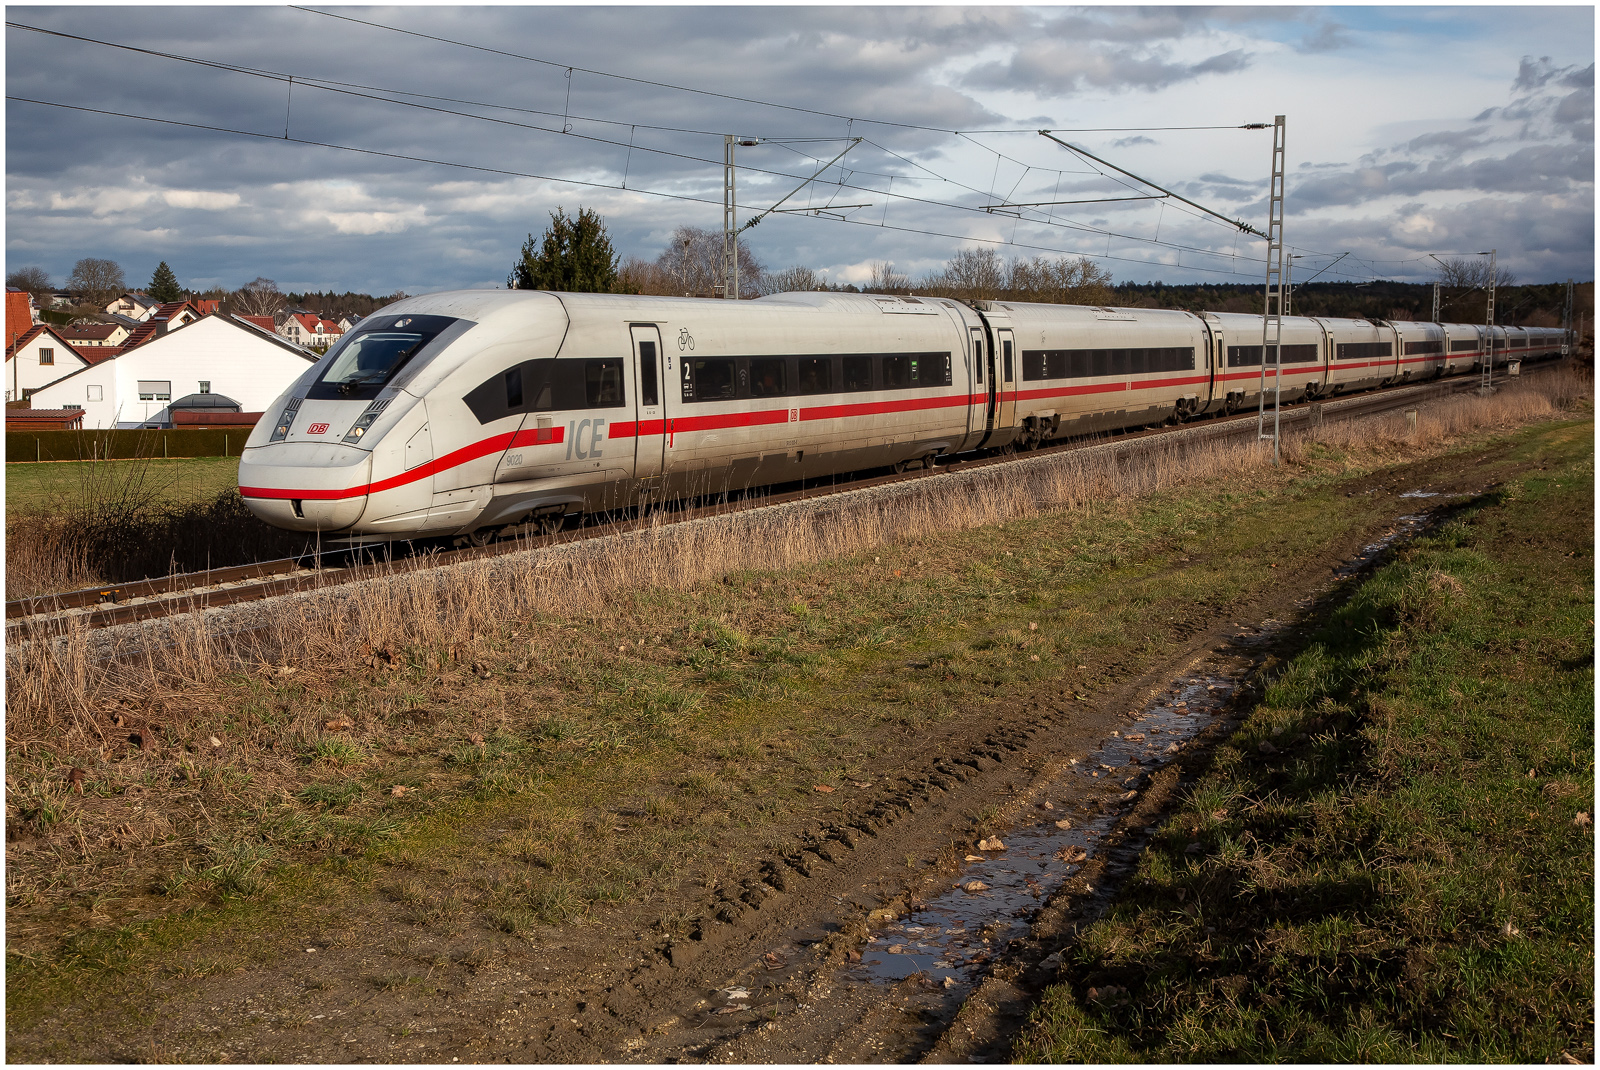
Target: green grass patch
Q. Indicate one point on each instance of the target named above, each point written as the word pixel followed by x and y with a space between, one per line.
pixel 1392 860
pixel 61 486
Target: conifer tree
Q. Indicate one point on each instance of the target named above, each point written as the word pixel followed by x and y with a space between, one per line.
pixel 573 256
pixel 164 285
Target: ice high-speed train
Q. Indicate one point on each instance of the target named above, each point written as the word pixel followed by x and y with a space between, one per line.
pixel 465 413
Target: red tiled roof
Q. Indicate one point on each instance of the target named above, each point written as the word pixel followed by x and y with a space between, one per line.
pixel 35 331
pixel 264 322
pixel 43 419
pixel 19 314
pixel 142 333
pixel 100 354
pixel 90 331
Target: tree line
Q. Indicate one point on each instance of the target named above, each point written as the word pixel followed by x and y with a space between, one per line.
pixel 575 254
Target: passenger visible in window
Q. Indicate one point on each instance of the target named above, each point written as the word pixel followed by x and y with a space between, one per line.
pixel 816 375
pixel 766 378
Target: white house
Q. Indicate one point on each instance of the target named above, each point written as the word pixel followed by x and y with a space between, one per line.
pixel 309 329
pixel 37 359
pixel 139 306
pixel 213 355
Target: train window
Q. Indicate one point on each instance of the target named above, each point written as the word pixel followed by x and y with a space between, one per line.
pixel 937 370
pixel 369 356
pixel 977 360
pixel 1005 350
pixel 514 390
pixel 767 377
pixel 602 383
pixel 708 380
pixel 896 372
pixel 1250 356
pixel 647 375
pixel 1432 345
pixel 816 375
pixel 1035 365
pixel 1463 345
pixel 857 373
pixel 1364 350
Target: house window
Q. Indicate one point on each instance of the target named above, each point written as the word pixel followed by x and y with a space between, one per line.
pixel 205 386
pixel 96 392
pixel 47 356
pixel 152 390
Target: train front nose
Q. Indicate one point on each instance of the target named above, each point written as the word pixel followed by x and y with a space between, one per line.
pixel 306 486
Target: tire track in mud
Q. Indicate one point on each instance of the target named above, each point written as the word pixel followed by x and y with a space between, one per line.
pixel 833 952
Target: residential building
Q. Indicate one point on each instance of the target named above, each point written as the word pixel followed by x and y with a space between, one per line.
pixel 94 334
pixel 309 329
pixel 166 318
pixel 37 359
pixel 214 354
pixel 135 305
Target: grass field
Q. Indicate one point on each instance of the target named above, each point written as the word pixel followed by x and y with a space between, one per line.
pixel 57 487
pixel 712 705
pixel 1393 859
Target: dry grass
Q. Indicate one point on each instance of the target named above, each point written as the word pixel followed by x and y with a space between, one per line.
pixel 56 688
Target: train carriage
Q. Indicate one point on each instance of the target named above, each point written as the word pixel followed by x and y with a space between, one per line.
pixel 1084 369
pixel 1421 349
pixel 1237 341
pixel 1363 354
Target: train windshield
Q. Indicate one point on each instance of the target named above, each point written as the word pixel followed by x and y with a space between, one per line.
pixel 370 355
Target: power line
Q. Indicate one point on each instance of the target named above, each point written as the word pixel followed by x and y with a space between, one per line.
pixel 348 89
pixel 581 182
pixel 713 93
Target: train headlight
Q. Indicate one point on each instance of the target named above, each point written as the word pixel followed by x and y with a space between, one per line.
pixel 365 421
pixel 280 430
pixel 360 427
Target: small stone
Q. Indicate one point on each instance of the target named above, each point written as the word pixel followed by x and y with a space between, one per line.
pixel 822 788
pixel 1033 657
pixel 976 858
pixel 399 790
pixel 1267 748
pixel 971 886
pixel 1582 820
pixel 1063 824
pixel 338 724
pixel 991 844
pixel 215 742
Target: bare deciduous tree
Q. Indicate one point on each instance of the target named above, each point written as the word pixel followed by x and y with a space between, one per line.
pixel 790 280
pixel 96 282
pixel 886 280
pixel 1061 281
pixel 33 279
pixel 970 275
pixel 1464 281
pixel 692 264
pixel 258 297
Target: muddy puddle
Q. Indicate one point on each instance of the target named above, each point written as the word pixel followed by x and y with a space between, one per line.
pixel 949 941
pixel 1002 885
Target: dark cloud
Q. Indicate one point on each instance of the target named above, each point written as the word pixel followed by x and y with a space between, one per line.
pixel 224 208
pixel 1328 37
pixel 1064 68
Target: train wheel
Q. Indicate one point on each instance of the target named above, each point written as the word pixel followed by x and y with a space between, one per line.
pixel 483 536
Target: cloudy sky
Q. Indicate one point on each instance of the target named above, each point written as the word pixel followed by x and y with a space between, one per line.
pixel 417 147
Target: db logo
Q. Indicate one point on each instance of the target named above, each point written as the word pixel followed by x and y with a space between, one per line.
pixel 317 429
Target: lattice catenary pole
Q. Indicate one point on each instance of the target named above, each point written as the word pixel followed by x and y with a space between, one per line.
pixel 730 225
pixel 1272 321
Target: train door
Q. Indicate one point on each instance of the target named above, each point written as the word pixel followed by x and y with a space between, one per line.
pixel 650 440
pixel 1006 388
pixel 983 368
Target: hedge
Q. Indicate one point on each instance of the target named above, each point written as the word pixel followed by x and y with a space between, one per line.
pixel 88 445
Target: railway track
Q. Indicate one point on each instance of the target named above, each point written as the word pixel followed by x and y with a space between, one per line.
pixel 108 605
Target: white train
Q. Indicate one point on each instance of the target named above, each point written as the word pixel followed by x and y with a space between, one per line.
pixel 462 414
